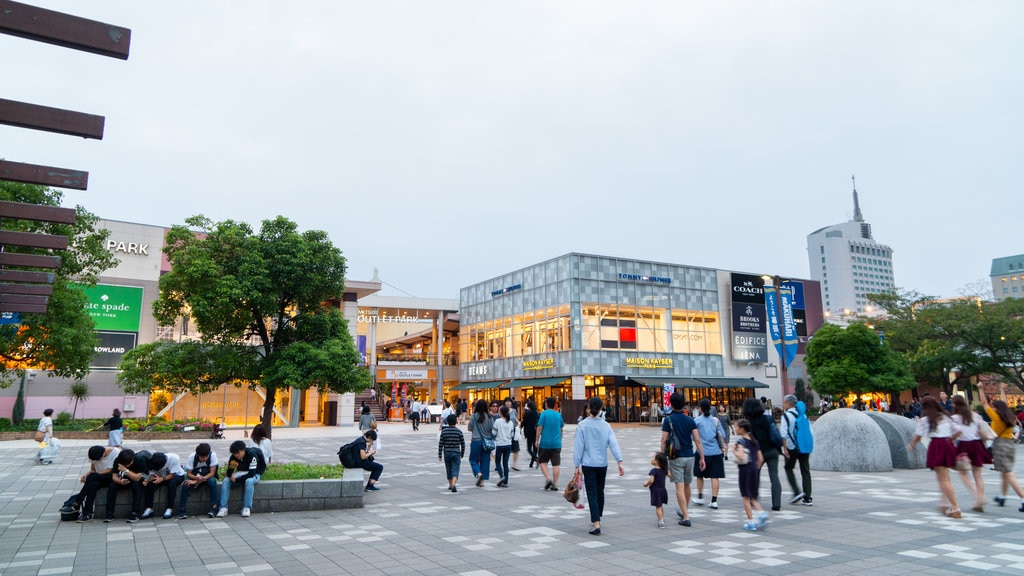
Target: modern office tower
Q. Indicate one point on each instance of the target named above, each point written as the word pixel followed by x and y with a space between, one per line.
pixel 1007 277
pixel 849 264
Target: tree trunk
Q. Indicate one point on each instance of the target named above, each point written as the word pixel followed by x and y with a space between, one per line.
pixel 268 409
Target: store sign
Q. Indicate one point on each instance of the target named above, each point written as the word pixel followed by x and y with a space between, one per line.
pixel 504 291
pixel 112 346
pixel 406 374
pixel 373 318
pixel 749 319
pixel 140 248
pixel 542 364
pixel 747 288
pixel 116 308
pixel 647 363
pixel 476 370
pixel 644 278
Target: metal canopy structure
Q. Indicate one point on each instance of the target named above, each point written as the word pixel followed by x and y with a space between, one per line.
pixel 28 290
pixel 698 382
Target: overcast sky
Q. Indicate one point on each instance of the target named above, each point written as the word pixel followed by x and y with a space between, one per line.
pixel 449 142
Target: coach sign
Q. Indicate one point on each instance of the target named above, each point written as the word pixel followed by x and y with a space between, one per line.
pixel 749 339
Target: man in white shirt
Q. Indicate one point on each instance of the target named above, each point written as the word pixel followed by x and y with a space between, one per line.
pixel 164 470
pixel 414 414
pixel 101 464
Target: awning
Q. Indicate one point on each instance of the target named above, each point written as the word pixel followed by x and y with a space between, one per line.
pixel 536 382
pixel 701 382
pixel 479 385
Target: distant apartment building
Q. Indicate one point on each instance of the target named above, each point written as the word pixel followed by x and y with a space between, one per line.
pixel 1007 277
pixel 849 264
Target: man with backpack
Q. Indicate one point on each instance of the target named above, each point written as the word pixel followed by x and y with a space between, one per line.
pixel 679 436
pixel 244 469
pixel 359 454
pixel 800 442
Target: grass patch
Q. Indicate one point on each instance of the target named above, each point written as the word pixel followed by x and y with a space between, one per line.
pixel 302 471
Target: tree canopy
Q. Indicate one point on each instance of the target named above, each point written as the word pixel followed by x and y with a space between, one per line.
pixel 854 360
pixel 950 341
pixel 258 301
pixel 61 340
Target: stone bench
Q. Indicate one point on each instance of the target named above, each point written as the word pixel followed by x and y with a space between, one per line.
pixel 268 496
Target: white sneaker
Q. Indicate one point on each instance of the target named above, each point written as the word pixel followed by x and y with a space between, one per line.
pixel 167 514
pixel 245 512
pixel 713 505
pixel 147 513
pixel 222 512
pixel 698 501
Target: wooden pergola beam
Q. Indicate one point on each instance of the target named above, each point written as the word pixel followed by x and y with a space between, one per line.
pixel 30 240
pixel 29 260
pixel 44 175
pixel 60 29
pixel 37 213
pixel 27 276
pixel 47 119
pixel 28 308
pixel 37 289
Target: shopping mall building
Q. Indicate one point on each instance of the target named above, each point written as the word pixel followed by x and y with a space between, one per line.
pixel 626 330
pixel 570 327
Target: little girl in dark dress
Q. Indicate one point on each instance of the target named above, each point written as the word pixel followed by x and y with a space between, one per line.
pixel 748 458
pixel 656 483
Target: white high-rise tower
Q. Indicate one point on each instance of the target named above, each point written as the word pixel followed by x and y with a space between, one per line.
pixel 849 264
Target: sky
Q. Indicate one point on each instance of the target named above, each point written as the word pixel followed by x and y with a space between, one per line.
pixel 448 142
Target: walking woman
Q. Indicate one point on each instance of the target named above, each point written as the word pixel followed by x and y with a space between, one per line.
pixel 366 420
pixel 709 428
pixel 594 437
pixel 969 443
pixel 480 425
pixel 938 426
pixel 764 430
pixel 1003 449
pixel 504 433
pixel 529 427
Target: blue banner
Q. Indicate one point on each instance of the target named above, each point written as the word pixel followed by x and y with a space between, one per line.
pixel 361 346
pixel 798 293
pixel 10 318
pixel 771 303
pixel 789 336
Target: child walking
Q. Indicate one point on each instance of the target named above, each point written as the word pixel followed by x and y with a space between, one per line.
pixel 656 484
pixel 748 458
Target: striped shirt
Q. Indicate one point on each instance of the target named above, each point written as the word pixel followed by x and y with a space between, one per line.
pixel 451 441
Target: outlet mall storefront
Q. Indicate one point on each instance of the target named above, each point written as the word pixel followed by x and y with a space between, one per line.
pixel 582 325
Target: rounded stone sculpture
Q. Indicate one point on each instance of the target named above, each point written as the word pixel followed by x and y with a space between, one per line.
pixel 898 431
pixel 847 440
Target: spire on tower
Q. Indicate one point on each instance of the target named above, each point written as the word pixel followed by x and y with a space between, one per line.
pixel 857 216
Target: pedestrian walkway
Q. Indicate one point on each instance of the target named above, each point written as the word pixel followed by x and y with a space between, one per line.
pixel 860 523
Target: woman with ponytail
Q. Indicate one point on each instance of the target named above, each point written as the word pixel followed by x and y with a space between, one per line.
pixel 594 437
pixel 1003 448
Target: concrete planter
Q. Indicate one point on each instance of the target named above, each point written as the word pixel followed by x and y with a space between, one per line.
pixel 268 496
pixel 102 435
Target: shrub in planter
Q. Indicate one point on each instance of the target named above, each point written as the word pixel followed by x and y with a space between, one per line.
pixel 63 419
pixel 5 424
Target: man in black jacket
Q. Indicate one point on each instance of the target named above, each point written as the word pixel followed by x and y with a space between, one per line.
pixel 244 470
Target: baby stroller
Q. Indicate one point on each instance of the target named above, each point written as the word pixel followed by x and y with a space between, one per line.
pixel 48 451
pixel 218 432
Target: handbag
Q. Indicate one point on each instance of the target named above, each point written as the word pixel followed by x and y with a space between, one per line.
pixel 373 423
pixel 963 462
pixel 39 436
pixel 572 489
pixel 486 441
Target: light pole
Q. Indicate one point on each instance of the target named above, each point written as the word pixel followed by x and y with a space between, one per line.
pixel 775 286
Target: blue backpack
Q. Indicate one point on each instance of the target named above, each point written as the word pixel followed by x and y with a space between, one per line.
pixel 802 436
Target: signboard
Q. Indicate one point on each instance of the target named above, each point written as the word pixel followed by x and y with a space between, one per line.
pixel 406 374
pixel 666 394
pixel 10 318
pixel 784 337
pixel 749 319
pixel 648 363
pixel 541 364
pixel 112 346
pixel 747 288
pixel 117 308
pixel 361 346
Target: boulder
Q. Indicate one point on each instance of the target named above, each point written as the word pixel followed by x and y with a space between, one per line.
pixel 898 431
pixel 847 440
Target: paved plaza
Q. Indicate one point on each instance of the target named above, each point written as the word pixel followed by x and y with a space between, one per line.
pixel 860 523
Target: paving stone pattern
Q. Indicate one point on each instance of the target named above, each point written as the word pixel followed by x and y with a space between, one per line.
pixel 861 523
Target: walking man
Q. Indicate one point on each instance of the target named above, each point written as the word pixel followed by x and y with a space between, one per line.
pixel 800 443
pixel 680 452
pixel 549 443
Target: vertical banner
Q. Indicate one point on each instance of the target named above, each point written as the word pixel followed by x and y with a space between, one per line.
pixel 405 391
pixel 394 392
pixel 789 335
pixel 749 343
pixel 771 303
pixel 666 394
pixel 361 346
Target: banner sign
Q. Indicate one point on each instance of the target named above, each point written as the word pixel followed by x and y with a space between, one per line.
pixel 116 308
pixel 749 319
pixel 112 346
pixel 10 318
pixel 361 346
pixel 789 335
pixel 666 394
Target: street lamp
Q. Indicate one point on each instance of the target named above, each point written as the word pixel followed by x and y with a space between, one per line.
pixel 774 283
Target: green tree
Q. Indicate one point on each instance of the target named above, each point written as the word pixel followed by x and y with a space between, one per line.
pixel 61 340
pixel 853 360
pixel 79 392
pixel 257 300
